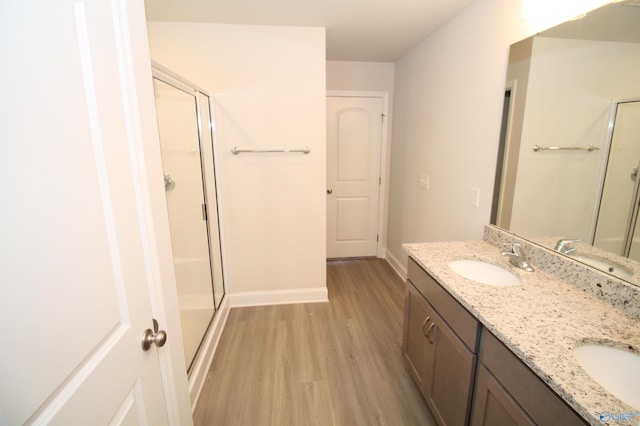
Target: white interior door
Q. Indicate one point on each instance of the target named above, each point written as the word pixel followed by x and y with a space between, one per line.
pixel 74 271
pixel 354 137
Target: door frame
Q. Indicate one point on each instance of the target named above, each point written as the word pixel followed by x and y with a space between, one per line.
pixel 385 160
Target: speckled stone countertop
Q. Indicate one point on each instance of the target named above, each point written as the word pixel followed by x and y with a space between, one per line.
pixel 541 320
pixel 628 269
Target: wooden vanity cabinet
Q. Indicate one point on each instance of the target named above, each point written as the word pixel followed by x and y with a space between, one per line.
pixel 507 392
pixel 439 345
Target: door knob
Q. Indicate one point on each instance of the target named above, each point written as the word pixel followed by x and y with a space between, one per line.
pixel 329 191
pixel 169 183
pixel 149 337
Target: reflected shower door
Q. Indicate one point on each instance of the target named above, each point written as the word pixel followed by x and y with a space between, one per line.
pixel 181 161
pixel 618 207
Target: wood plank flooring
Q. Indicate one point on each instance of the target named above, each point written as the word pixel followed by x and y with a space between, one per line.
pixel 336 363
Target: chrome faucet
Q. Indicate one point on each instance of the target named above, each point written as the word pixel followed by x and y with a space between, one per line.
pixel 562 246
pixel 516 256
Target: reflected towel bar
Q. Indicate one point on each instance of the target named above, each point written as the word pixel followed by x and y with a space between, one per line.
pixel 589 148
pixel 235 150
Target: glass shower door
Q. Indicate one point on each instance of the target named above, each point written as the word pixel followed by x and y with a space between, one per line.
pixel 181 161
pixel 618 212
pixel 212 199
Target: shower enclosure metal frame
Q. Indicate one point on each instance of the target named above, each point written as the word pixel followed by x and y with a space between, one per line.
pixel 210 211
pixel 634 204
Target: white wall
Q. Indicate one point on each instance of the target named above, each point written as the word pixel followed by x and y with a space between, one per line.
pixel 269 92
pixel 572 84
pixel 448 100
pixel 361 76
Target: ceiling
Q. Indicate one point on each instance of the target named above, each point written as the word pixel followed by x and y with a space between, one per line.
pixel 612 22
pixel 357 30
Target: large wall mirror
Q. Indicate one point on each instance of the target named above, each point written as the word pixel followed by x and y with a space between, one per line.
pixel 571 140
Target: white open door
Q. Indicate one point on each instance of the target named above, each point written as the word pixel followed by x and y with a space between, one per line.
pixel 76 260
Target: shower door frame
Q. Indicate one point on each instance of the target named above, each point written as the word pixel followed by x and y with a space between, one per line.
pixel 167 76
pixel 634 208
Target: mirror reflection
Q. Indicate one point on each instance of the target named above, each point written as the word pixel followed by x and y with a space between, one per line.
pixel 571 140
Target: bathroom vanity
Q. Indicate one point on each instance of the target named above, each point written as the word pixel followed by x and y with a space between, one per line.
pixel 440 346
pixel 485 355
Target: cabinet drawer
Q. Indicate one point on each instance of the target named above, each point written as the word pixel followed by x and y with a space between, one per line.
pixel 527 389
pixel 464 324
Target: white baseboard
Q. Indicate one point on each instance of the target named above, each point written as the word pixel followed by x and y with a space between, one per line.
pixel 206 353
pixel 279 297
pixel 398 266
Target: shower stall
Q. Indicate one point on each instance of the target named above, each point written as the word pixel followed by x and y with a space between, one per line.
pixel 616 228
pixel 185 127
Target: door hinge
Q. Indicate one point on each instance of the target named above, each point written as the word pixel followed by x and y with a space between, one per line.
pixel 382 116
pixel 380 180
pixel 377 238
pixel 204 211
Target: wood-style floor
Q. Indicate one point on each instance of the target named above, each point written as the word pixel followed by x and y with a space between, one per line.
pixel 336 363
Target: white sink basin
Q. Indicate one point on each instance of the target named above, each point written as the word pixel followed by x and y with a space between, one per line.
pixel 603 265
pixel 616 370
pixel 484 272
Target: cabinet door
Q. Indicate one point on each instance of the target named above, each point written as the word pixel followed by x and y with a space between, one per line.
pixel 541 404
pixel 450 371
pixel 417 315
pixel 493 405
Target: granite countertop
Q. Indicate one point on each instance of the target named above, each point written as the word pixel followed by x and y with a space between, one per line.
pixel 628 269
pixel 541 321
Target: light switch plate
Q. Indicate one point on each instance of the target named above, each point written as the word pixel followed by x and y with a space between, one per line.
pixel 423 181
pixel 475 196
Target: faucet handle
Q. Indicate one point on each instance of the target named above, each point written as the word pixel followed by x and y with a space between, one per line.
pixel 514 247
pixel 561 245
pixel 516 256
